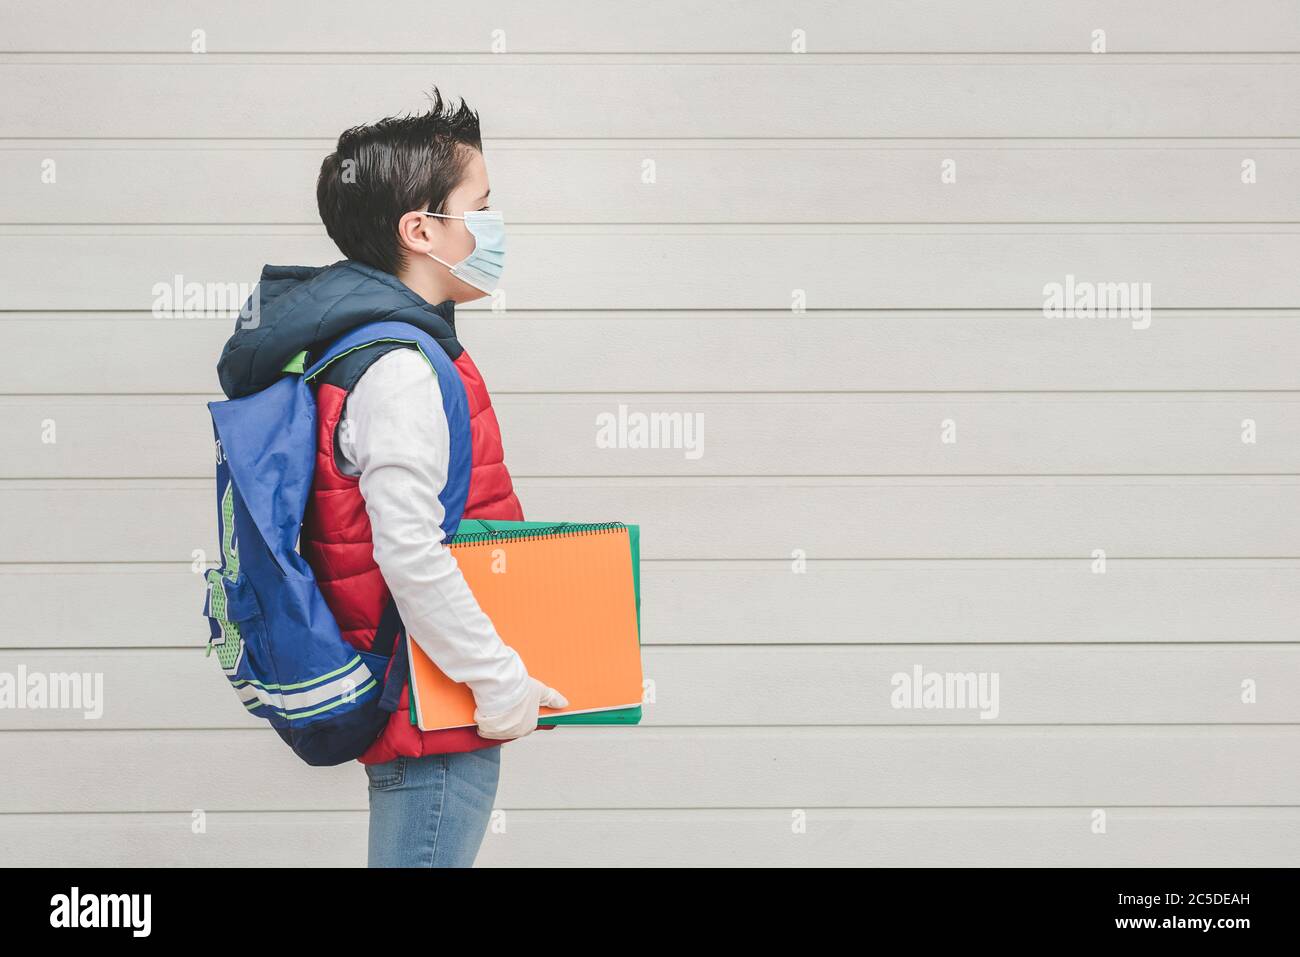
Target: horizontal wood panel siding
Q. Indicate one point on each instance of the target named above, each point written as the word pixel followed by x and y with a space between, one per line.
pixel 814 267
pixel 71 605
pixel 166 181
pixel 917 26
pixel 1000 766
pixel 186 95
pixel 744 837
pixel 779 434
pixel 788 686
pixel 713 518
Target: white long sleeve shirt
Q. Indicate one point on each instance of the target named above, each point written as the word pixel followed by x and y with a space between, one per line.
pixel 393 434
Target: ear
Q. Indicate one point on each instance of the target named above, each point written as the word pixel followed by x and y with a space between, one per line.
pixel 415 233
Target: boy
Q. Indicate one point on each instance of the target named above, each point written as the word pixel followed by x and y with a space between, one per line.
pixel 406 201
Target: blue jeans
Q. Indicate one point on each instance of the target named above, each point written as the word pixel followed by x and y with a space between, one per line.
pixel 431 811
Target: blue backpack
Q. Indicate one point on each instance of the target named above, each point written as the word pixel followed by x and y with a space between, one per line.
pixel 275 638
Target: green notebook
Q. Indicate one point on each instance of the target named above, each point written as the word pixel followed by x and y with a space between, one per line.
pixel 475 526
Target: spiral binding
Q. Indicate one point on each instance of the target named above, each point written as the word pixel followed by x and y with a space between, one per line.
pixel 492 536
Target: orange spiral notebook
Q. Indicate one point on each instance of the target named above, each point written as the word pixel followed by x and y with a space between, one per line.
pixel 564 597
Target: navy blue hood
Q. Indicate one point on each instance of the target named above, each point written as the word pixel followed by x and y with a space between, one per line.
pixel 307 307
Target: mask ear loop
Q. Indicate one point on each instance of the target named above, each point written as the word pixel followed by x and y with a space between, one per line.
pixel 441 262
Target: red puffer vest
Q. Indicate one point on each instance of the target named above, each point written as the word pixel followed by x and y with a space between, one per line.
pixel 337 543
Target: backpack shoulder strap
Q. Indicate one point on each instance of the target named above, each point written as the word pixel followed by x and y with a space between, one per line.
pixel 351 354
pixel 345 371
pixel 455 399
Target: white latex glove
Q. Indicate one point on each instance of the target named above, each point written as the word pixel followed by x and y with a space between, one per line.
pixel 522 718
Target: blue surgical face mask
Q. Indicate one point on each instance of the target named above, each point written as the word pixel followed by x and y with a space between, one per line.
pixel 482 267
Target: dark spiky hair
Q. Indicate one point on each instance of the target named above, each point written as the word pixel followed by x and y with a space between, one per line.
pixel 381 171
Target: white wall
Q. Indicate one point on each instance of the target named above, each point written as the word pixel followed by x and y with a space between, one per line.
pixel 774 172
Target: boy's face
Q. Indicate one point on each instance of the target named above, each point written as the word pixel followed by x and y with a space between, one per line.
pixel 450 240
